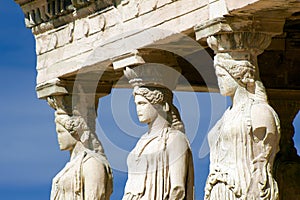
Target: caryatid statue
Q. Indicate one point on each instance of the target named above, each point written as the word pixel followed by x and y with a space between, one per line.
pixel 87 176
pixel 244 142
pixel 160 166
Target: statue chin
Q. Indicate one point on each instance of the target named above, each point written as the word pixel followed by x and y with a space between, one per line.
pixel 143 121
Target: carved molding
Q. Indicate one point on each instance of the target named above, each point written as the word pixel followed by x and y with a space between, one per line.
pixel 50 88
pixel 131 59
pixel 143 56
pixel 242 37
pixel 253 42
pixel 231 24
pixel 41 12
pixel 69 33
pixel 89 83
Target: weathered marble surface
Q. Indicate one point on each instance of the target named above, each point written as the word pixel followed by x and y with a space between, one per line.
pixel 88 174
pixel 244 142
pixel 161 165
pixel 68 34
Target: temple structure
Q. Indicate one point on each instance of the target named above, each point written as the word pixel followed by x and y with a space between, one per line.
pixel 82 46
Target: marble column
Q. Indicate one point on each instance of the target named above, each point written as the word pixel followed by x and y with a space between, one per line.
pixel 246 138
pixel 160 166
pixel 88 174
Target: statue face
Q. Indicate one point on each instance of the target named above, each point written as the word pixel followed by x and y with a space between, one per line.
pixel 145 110
pixel 65 140
pixel 227 84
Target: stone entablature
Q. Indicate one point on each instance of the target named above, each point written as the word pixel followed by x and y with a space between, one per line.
pixel 139 24
pixel 92 25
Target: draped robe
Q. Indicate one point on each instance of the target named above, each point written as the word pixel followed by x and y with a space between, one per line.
pixel 233 164
pixel 69 183
pixel 160 167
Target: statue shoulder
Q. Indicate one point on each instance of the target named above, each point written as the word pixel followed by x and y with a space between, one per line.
pixel 96 161
pixel 178 139
pixel 97 176
pixel 263 115
pixel 262 110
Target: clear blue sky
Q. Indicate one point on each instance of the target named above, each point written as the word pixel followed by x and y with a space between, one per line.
pixel 30 157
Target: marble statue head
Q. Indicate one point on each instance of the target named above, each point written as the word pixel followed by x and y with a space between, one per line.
pixel 161 99
pixel 153 98
pixel 70 130
pixel 155 83
pixel 243 72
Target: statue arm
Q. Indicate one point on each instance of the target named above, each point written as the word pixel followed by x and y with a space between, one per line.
pixel 178 151
pixel 95 180
pixel 265 141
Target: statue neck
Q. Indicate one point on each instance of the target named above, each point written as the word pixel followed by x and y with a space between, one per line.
pixel 158 124
pixel 79 148
pixel 240 97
